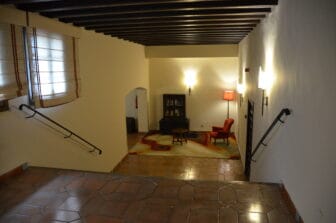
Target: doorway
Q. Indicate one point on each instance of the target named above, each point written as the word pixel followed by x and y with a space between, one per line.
pixel 249 137
pixel 136 107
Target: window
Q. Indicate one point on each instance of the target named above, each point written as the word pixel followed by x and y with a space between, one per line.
pixel 53 67
pixel 48 60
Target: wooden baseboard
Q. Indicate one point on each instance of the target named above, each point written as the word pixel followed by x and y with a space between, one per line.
pixel 13 173
pixel 290 204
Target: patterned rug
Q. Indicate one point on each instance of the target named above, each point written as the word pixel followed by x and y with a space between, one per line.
pixel 197 145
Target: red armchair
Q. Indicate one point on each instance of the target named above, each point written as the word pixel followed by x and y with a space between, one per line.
pixel 222 132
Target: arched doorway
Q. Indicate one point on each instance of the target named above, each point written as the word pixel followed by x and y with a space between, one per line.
pixel 136 107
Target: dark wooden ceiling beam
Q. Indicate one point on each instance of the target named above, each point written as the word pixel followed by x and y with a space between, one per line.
pixel 209 40
pixel 157 13
pixel 104 19
pixel 177 23
pixel 178 44
pixel 158 22
pixel 187 34
pixel 108 32
pixel 190 42
pixel 184 37
pixel 164 28
pixel 189 30
pixel 166 20
pixel 155 16
pixel 142 6
pixel 177 32
pixel 195 43
pixel 61 5
pixel 184 42
pixel 15 2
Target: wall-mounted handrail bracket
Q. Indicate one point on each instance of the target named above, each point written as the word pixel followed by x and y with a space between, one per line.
pixel 285 111
pixel 71 133
pixel 30 116
pixel 68 136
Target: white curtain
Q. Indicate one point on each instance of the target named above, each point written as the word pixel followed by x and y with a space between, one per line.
pixel 53 67
pixel 13 81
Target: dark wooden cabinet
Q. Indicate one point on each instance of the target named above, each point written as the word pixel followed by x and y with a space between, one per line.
pixel 174 113
pixel 174 105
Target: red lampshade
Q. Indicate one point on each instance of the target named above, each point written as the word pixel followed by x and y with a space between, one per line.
pixel 229 95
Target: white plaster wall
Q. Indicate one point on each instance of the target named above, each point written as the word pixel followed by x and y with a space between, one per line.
pixel 297 44
pixel 109 69
pixel 205 106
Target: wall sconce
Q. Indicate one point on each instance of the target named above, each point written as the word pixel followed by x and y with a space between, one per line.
pixel 190 79
pixel 264 82
pixel 241 90
pixel 229 95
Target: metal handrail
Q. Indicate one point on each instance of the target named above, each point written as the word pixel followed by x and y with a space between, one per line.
pixel 71 133
pixel 285 111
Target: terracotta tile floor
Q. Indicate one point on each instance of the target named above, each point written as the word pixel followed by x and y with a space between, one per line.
pixel 184 168
pixel 50 195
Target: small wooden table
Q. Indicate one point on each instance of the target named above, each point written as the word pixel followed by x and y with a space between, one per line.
pixel 180 135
